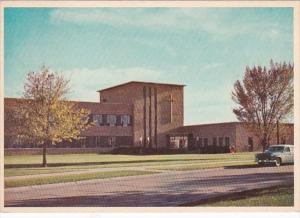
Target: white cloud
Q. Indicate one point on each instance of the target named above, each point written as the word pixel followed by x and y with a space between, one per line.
pixel 137 17
pixel 180 19
pixel 85 82
pixel 201 103
pixel 211 66
pixel 274 34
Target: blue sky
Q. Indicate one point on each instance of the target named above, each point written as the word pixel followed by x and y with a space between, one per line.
pixel 207 49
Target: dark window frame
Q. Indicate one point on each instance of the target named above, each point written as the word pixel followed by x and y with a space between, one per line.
pixel 220 141
pixel 214 141
pixel 227 141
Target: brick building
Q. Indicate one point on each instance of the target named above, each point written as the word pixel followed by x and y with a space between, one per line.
pixel 145 115
pixel 219 137
pixel 134 114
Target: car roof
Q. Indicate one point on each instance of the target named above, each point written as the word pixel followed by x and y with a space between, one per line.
pixel 282 145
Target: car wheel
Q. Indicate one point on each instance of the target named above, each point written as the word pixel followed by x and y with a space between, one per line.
pixel 278 162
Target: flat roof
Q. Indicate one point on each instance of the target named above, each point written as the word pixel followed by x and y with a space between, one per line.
pixel 207 124
pixel 13 99
pixel 140 82
pixel 223 123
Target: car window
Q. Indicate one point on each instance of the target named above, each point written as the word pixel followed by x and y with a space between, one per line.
pixel 276 148
pixel 287 150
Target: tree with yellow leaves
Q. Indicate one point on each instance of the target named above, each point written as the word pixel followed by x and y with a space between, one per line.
pixel 45 116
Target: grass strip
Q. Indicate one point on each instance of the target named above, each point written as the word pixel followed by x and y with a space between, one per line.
pixel 9 183
pixel 281 196
pixel 207 166
pixel 40 170
pixel 122 159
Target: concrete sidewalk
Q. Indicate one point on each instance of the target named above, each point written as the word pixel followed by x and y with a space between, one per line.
pixel 163 189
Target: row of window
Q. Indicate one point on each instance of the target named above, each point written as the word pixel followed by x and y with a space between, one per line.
pixel 106 141
pixel 112 120
pixel 84 142
pixel 215 141
pixel 178 141
pixel 182 141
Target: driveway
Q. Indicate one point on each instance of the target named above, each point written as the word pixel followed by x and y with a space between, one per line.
pixel 165 189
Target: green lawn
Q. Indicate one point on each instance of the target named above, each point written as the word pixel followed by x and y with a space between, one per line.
pixel 208 165
pixel 109 158
pixel 76 162
pixel 278 196
pixel 111 166
pixel 71 178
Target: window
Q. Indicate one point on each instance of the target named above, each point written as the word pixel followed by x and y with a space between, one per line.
pixel 18 141
pixel 227 142
pixel 124 140
pixel 7 141
pixel 214 141
pixel 287 150
pixel 276 148
pixel 104 120
pixel 111 120
pixel 111 141
pixel 88 119
pixel 200 142
pixel 97 119
pixel 98 141
pixel 118 120
pixel 220 141
pixel 91 141
pixel 178 141
pixel 205 142
pixel 125 120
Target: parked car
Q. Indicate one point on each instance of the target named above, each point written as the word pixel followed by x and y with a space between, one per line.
pixel 276 154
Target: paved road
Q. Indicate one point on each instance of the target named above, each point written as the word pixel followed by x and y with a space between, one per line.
pixel 163 189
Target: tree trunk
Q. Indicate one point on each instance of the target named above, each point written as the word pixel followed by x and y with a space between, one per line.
pixel 277 127
pixel 44 154
pixel 264 142
pixel 264 147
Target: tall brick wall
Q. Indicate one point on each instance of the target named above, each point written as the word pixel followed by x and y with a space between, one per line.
pixel 142 95
pixel 129 94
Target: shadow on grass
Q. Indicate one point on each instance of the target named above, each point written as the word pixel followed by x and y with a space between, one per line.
pixel 242 166
pixel 124 199
pixel 245 166
pixel 242 195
